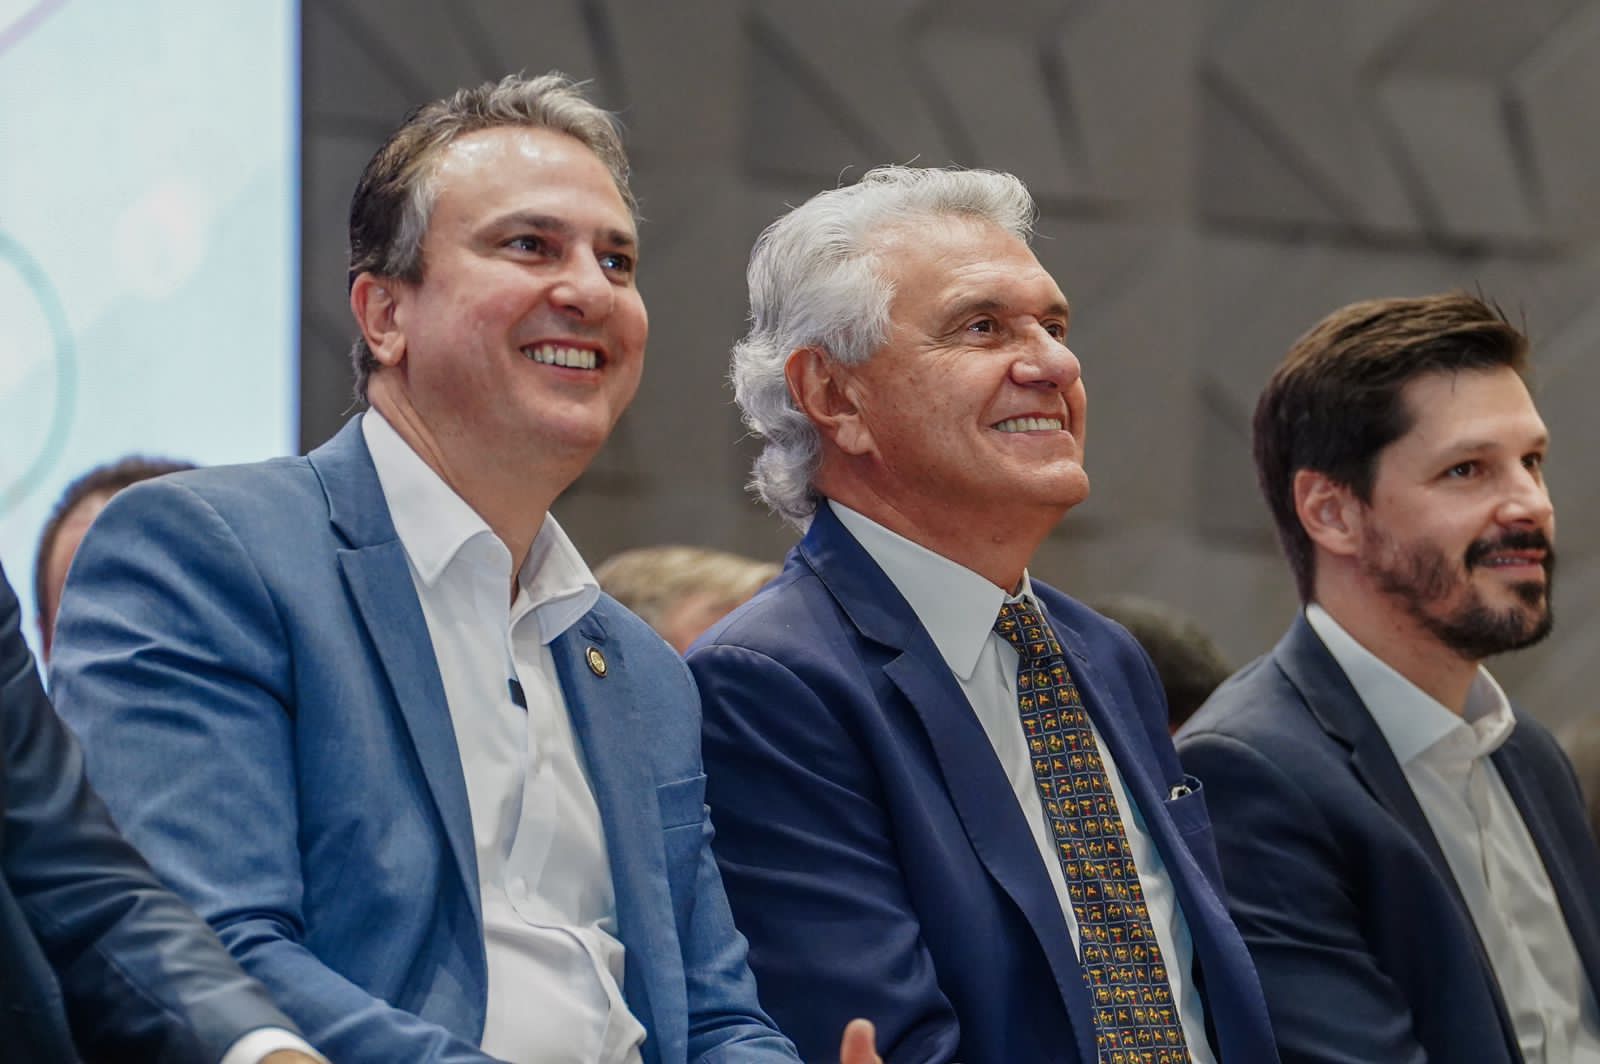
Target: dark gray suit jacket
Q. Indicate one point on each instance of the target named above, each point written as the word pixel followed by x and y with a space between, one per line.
pixel 96 957
pixel 1364 943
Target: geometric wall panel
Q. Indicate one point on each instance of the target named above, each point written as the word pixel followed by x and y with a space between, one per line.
pixel 1213 177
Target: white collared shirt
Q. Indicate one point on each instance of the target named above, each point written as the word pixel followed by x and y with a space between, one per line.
pixel 958 609
pixel 549 911
pixel 1496 866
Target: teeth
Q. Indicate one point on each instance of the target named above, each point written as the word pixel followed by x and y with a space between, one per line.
pixel 1030 424
pixel 556 355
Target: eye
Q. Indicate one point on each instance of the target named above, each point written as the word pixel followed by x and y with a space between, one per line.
pixel 1534 463
pixel 528 242
pixel 617 264
pixel 1462 470
pixel 982 325
pixel 1057 329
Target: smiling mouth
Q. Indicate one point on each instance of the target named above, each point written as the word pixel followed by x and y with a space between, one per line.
pixel 559 355
pixel 1516 550
pixel 1030 424
pixel 1517 560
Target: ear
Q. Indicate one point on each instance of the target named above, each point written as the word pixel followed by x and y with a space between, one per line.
pixel 373 301
pixel 1328 511
pixel 824 391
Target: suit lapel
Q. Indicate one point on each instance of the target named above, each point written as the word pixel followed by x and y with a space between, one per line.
pixel 1516 762
pixel 605 719
pixel 1331 698
pixel 379 581
pixel 1338 709
pixel 977 784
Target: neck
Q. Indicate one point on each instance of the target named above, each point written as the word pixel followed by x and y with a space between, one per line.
pixel 1399 641
pixel 998 551
pixel 508 491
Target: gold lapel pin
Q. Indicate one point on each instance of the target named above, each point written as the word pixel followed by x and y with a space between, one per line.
pixel 597 661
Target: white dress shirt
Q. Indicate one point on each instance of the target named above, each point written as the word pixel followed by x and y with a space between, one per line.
pixel 958 608
pixel 1445 759
pixel 549 912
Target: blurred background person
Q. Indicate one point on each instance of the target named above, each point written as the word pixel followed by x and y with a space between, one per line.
pixel 80 503
pixel 1186 657
pixel 681 591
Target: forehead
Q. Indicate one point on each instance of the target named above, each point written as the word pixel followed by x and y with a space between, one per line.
pixel 1475 407
pixel 511 168
pixel 936 261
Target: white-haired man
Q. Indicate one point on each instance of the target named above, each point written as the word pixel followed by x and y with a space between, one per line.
pixel 910 744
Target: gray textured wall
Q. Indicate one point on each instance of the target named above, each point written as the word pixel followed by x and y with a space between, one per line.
pixel 1214 177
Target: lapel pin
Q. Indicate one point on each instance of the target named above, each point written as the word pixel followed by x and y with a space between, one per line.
pixel 597 661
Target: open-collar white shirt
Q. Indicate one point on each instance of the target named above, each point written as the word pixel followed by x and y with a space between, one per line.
pixel 1496 866
pixel 549 910
pixel 958 608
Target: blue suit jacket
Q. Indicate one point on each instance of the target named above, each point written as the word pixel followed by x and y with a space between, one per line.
pixel 244 655
pixel 873 847
pixel 1364 943
pixel 93 950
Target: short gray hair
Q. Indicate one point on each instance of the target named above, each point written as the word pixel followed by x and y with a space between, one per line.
pixel 394 200
pixel 814 282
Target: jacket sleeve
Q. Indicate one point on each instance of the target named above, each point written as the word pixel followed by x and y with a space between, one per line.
pixel 172 665
pixel 141 975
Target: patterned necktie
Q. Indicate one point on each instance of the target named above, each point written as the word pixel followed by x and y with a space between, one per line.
pixel 1136 1021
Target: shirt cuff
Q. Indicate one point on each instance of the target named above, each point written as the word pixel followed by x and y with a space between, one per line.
pixel 253 1047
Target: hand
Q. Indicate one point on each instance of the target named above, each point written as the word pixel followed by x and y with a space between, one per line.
pixel 859 1045
pixel 290 1056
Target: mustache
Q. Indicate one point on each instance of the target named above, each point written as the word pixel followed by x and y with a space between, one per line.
pixel 1527 539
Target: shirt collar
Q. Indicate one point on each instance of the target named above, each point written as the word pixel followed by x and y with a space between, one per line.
pixel 434 524
pixel 1413 722
pixel 956 605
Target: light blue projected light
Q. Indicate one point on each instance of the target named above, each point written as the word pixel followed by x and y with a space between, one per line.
pixel 148 243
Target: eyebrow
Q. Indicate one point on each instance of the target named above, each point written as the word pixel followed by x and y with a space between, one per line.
pixel 1479 446
pixel 989 305
pixel 549 223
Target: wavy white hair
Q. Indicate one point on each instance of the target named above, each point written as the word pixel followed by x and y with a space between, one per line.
pixel 815 282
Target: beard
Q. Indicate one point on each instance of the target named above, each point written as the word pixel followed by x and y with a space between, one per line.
pixel 1423 579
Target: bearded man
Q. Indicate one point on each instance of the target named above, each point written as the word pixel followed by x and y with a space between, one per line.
pixel 1406 854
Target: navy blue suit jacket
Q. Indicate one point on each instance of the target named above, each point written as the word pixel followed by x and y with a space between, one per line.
pixel 244 655
pixel 873 847
pixel 96 957
pixel 1365 945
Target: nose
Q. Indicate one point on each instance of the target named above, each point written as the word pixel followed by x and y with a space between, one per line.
pixel 1046 362
pixel 583 290
pixel 1528 501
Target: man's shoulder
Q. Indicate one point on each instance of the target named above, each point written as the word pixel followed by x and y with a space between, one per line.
pixel 219 527
pixel 643 644
pixel 254 490
pixel 791 613
pixel 1258 709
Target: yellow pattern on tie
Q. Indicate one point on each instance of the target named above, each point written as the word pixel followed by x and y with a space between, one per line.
pixel 1136 1020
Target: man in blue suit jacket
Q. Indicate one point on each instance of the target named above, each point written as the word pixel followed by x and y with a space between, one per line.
pixel 96 957
pixel 1406 854
pixel 1021 890
pixel 367 710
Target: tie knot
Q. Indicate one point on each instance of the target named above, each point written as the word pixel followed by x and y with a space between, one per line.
pixel 1021 625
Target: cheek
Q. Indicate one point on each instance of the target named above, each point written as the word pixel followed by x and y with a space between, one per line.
pixel 630 323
